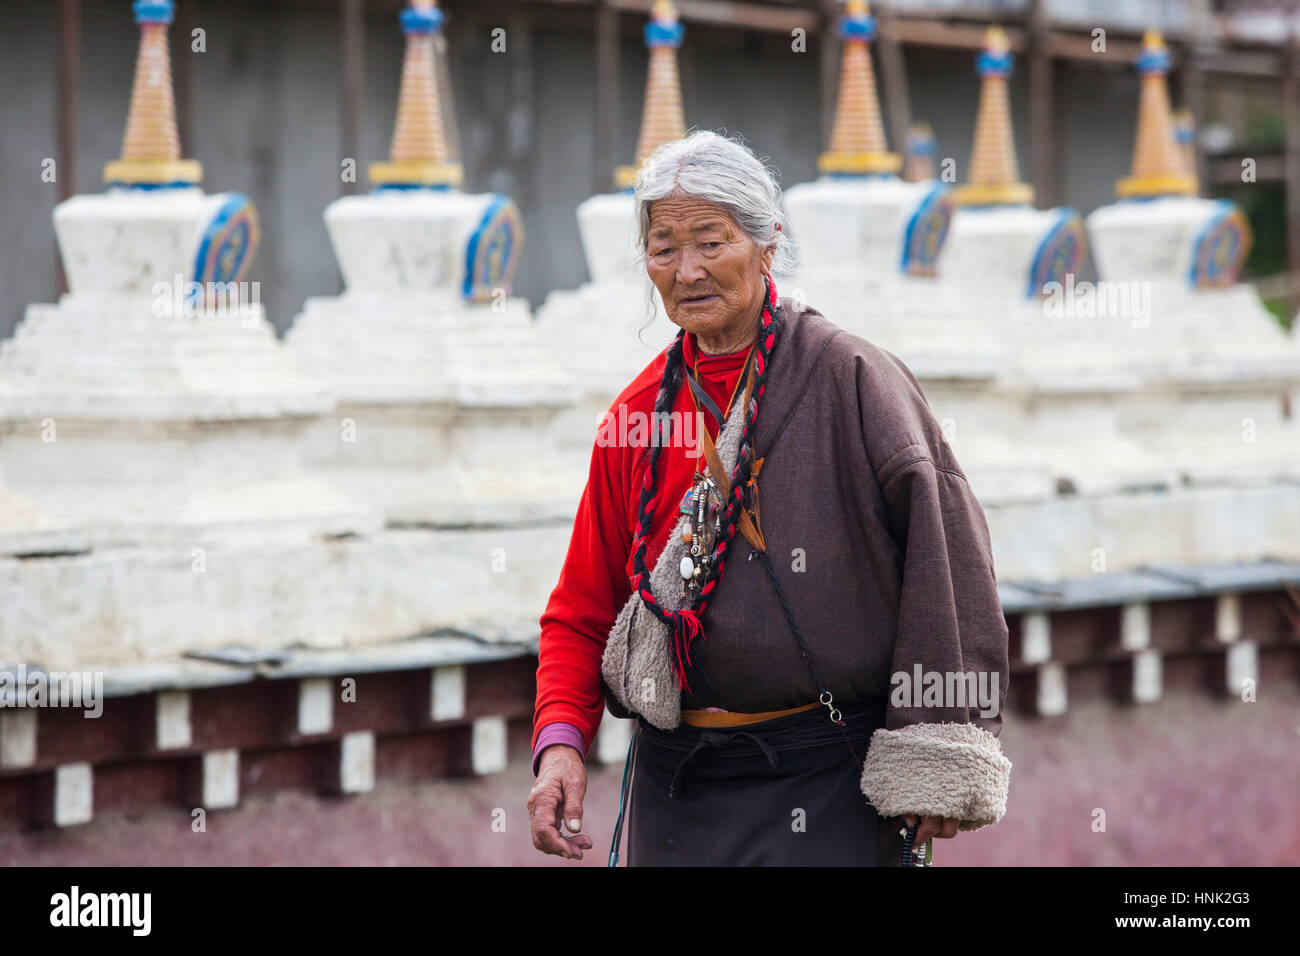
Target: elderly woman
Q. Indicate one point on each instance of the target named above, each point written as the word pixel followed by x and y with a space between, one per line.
pixel 803 675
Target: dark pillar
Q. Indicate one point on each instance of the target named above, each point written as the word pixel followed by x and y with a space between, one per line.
pixel 894 76
pixel 1042 109
pixel 69 80
pixel 606 97
pixel 353 29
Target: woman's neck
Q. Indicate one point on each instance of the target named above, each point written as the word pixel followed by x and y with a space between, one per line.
pixel 730 340
pixel 724 345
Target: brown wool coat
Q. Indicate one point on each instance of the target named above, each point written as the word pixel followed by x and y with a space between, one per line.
pixel 884 556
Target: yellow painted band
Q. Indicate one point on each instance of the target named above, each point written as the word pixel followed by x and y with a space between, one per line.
pixel 1170 184
pixel 625 177
pixel 417 173
pixel 990 194
pixel 857 163
pixel 153 171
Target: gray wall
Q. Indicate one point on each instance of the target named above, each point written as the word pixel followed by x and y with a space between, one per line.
pixel 27 136
pixel 267 122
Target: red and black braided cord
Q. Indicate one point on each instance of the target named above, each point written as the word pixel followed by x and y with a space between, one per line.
pixel 685 626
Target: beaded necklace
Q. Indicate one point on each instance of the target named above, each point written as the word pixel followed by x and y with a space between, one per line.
pixel 703 501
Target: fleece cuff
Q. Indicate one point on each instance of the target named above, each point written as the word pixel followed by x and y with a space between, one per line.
pixel 942 769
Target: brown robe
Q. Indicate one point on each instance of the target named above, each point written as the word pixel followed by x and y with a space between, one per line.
pixel 884 557
pixel 880 545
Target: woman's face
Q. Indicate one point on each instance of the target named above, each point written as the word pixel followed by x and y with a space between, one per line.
pixel 707 270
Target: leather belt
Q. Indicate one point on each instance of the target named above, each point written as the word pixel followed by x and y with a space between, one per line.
pixel 727 718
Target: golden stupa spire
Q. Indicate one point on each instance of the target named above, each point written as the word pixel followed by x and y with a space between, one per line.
pixel 1158 168
pixel 419 155
pixel 994 173
pixel 151 148
pixel 858 144
pixel 663 120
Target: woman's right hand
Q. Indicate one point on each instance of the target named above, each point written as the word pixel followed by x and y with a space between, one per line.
pixel 556 797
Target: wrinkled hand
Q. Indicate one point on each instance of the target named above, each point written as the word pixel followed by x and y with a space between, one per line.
pixel 944 828
pixel 556 797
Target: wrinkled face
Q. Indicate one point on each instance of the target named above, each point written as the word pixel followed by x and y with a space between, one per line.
pixel 707 270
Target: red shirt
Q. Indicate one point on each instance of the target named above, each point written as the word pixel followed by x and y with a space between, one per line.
pixel 596 579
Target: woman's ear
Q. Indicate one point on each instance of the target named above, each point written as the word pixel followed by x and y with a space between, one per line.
pixel 769 253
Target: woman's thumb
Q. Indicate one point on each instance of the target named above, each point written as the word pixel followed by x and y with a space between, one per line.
pixel 573 807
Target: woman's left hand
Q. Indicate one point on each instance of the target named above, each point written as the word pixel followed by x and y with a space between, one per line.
pixel 942 827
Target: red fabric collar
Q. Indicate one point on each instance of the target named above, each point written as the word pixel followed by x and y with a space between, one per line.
pixel 712 364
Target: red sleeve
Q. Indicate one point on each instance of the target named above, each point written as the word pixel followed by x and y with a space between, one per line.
pixel 592 589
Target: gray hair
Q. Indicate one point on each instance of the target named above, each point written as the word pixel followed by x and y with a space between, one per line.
pixel 722 170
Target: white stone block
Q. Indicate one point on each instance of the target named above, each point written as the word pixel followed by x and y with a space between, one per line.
pixel 180 455
pixel 315 705
pixel 993 250
pixel 607 223
pixel 396 241
pixel 123 241
pixel 74 794
pixel 1135 626
pixel 277 596
pixel 17 738
pixel 856 223
pixel 1242 665
pixel 612 739
pixel 488 747
pixel 357 762
pixel 1149 240
pixel 172 720
pixel 1048 541
pixel 447 693
pixel 1147 677
pixel 220 784
pixel 1227 617
pixel 1035 637
pixel 1052 700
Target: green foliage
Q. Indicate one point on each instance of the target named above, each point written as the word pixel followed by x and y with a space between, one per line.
pixel 1264 128
pixel 1264 204
pixel 1265 207
pixel 1280 306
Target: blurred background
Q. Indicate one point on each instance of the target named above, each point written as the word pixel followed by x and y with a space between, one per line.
pixel 224 693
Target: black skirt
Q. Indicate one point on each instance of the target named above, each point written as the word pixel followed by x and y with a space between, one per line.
pixel 783 792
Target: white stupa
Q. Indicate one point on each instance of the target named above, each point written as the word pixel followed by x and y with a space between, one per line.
pixel 870 242
pixel 873 246
pixel 996 231
pixel 1135 414
pixel 447 392
pixel 1216 368
pixel 1041 408
pixel 1002 257
pixel 610 328
pixel 158 405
